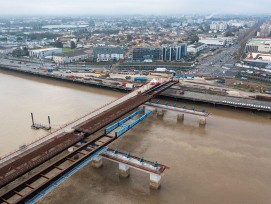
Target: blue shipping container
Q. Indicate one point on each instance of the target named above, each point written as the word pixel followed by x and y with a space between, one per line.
pixel 140 79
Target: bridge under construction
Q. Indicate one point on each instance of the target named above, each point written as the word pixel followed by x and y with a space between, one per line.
pixel 87 136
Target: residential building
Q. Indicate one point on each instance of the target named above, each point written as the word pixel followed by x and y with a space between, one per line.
pixel 221 26
pixel 108 53
pixel 213 41
pixel 196 47
pixel 262 45
pixel 147 53
pixel 6 50
pixel 40 53
pixel 174 52
pixel 70 57
pixel 265 30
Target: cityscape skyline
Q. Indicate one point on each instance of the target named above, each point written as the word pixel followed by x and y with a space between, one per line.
pixel 122 7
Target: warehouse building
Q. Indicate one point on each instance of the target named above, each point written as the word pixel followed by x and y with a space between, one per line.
pixel 40 53
pixel 262 45
pixel 70 57
pixel 214 42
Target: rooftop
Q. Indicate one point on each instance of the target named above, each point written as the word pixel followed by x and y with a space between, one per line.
pixel 196 45
pixel 108 50
pixel 259 41
pixel 73 53
pixel 46 49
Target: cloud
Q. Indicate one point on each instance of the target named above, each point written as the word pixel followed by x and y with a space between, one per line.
pixel 91 7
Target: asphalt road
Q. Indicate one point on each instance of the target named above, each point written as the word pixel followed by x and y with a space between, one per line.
pixel 221 64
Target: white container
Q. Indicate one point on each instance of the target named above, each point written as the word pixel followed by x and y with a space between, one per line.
pixel 161 69
pixel 131 86
pixel 70 149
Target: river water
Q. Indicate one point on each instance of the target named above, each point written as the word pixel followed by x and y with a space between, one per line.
pixel 63 102
pixel 228 161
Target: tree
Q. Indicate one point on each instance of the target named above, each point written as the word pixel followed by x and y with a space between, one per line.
pixel 228 33
pixel 20 52
pixel 25 51
pixel 193 38
pixel 129 38
pixel 58 44
pixel 19 39
pixel 73 45
pixel 3 39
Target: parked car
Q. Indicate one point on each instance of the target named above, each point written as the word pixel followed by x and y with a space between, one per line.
pixel 181 92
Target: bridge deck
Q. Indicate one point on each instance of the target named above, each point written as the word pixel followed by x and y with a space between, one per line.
pixel 19 166
pixel 85 129
pixel 134 162
pixel 107 117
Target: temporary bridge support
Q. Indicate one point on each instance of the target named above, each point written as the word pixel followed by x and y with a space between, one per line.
pixel 126 161
pixel 161 108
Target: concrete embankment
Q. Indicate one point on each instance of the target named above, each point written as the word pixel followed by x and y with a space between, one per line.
pixel 242 103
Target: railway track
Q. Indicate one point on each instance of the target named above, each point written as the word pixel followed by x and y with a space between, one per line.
pixel 40 180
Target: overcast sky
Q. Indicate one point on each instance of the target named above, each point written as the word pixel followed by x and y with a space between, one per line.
pixel 91 7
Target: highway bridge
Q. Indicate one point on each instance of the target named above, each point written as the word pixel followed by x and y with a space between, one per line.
pixel 86 134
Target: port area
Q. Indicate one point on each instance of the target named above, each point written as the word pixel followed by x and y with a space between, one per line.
pixel 236 102
pixel 198 89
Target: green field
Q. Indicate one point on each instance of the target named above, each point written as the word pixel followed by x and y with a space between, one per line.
pixel 67 49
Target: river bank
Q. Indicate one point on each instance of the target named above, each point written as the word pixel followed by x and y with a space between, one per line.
pixel 235 102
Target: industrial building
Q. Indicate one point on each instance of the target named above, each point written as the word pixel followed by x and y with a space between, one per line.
pixel 174 52
pixel 39 53
pixel 105 54
pixel 213 41
pixel 256 63
pixel 147 53
pixel 196 47
pixel 259 45
pixel 70 57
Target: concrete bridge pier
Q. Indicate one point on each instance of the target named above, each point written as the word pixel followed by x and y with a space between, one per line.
pixel 155 181
pixel 143 110
pixel 202 121
pixel 180 117
pixel 124 170
pixel 160 113
pixel 97 162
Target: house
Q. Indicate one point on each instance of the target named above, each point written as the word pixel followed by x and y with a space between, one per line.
pixel 6 50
